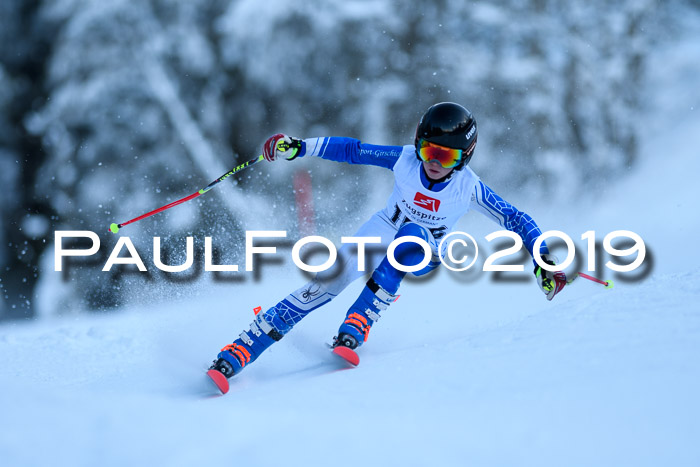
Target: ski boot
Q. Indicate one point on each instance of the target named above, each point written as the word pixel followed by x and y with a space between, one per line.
pixel 265 330
pixel 359 320
pixel 363 314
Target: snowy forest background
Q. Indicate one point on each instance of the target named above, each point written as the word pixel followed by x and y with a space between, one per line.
pixel 111 109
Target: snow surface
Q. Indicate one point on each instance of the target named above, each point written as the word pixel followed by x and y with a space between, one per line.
pixel 479 373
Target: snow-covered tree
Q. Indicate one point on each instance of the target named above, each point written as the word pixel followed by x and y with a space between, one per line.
pixel 131 105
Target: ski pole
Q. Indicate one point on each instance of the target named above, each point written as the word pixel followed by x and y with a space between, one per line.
pixel 114 228
pixel 608 284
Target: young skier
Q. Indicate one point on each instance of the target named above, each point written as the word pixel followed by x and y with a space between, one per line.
pixel 433 188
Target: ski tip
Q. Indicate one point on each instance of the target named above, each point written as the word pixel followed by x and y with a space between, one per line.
pixel 347 354
pixel 219 380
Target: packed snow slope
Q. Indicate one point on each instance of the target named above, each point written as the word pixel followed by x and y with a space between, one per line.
pixel 610 378
pixel 457 372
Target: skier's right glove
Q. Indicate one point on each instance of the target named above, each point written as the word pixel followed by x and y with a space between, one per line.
pixel 551 282
pixel 281 146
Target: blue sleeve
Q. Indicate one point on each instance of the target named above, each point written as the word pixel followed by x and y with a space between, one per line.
pixel 351 151
pixel 486 201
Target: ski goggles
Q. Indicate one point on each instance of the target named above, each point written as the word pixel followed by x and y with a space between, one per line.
pixel 447 157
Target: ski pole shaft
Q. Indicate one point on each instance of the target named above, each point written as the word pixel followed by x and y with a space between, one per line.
pixel 608 284
pixel 114 228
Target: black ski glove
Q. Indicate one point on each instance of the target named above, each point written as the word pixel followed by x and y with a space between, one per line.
pixel 281 145
pixel 551 282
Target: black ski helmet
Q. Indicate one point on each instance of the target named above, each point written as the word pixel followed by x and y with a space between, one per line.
pixel 451 125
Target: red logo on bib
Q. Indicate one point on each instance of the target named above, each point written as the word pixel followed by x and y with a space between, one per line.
pixel 426 202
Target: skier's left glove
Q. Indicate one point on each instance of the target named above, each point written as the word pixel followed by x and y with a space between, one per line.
pixel 551 282
pixel 280 145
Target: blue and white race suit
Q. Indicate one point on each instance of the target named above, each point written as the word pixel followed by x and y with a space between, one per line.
pixel 415 198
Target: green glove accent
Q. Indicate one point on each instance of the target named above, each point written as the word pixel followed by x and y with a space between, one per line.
pixel 294 147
